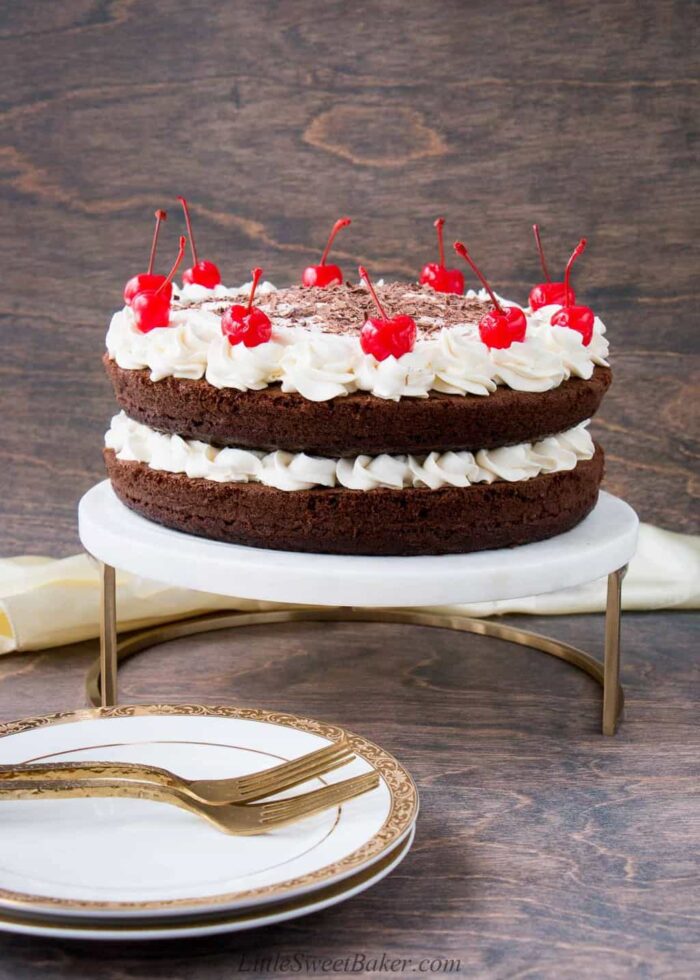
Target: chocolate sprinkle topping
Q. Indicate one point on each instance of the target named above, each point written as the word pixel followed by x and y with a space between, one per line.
pixel 343 309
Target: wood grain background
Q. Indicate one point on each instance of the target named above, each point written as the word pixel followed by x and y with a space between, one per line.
pixel 543 850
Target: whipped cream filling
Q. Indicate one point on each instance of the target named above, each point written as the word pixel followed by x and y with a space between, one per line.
pixel 320 366
pixel 133 441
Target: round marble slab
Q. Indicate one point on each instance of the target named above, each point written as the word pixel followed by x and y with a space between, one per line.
pixel 603 542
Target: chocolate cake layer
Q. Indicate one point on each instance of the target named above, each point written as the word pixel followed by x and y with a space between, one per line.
pixel 356 522
pixel 357 423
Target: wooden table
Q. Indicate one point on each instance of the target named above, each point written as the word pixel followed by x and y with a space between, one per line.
pixel 543 849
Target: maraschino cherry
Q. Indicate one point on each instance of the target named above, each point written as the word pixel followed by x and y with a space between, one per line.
pixel 546 293
pixel 147 280
pixel 247 325
pixel 385 336
pixel 326 275
pixel 581 318
pixel 504 325
pixel 202 273
pixel 151 307
pixel 436 274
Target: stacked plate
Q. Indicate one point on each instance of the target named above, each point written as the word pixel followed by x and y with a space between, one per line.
pixel 125 868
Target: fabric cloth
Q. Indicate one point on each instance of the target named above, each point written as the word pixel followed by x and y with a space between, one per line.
pixel 46 602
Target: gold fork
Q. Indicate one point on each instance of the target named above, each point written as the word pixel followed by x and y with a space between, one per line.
pixel 255 818
pixel 217 792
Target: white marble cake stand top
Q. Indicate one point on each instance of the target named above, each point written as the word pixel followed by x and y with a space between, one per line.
pixel 602 543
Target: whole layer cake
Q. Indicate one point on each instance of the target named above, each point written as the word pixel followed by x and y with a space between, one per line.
pixel 306 441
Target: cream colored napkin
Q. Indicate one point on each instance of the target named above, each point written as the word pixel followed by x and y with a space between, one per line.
pixel 46 602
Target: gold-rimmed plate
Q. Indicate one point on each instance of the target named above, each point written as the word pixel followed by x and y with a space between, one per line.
pixel 97 858
pixel 75 927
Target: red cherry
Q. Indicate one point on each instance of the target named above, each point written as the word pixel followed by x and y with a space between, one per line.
pixel 388 338
pixel 247 325
pixel 579 318
pixel 142 283
pixel 151 307
pixel 504 325
pixel 322 276
pixel 326 275
pixel 147 280
pixel 442 280
pixel 502 329
pixel 201 273
pixel 151 310
pixel 385 336
pixel 436 274
pixel 546 293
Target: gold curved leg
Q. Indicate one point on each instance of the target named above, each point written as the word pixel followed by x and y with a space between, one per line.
pixel 611 675
pixel 112 652
pixel 108 637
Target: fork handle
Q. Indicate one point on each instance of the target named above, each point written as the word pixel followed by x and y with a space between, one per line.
pixel 99 788
pixel 64 771
pixel 241 789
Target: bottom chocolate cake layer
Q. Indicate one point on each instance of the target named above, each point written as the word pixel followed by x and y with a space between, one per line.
pixel 414 521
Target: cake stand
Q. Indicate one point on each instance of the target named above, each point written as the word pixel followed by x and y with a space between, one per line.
pixel 357 588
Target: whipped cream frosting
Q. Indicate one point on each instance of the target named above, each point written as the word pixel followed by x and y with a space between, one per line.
pixel 320 365
pixel 296 471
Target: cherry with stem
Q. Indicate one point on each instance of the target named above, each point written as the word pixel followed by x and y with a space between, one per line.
pixel 504 325
pixel 202 273
pixel 323 275
pixel 436 274
pixel 247 325
pixel 545 293
pixel 385 336
pixel 151 307
pixel 575 317
pixel 146 280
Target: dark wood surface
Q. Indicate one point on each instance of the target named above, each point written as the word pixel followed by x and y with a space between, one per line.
pixel 543 849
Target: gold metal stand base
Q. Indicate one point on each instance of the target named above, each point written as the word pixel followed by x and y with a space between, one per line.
pixel 101 682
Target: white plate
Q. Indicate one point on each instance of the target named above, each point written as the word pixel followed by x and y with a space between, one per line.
pixel 59 928
pixel 602 543
pixel 114 857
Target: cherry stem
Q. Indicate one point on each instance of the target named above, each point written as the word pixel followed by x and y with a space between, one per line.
pixel 186 209
pixel 439 224
pixel 538 240
pixel 365 275
pixel 160 216
pixel 178 260
pixel 461 249
pixel 256 273
pixel 579 250
pixel 340 223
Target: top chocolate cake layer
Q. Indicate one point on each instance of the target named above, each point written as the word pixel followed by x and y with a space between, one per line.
pixel 359 423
